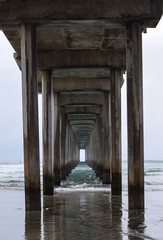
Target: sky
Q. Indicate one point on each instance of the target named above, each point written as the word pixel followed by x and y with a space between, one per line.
pixel 11 130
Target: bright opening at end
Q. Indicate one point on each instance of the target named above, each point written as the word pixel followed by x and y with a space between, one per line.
pixel 82 155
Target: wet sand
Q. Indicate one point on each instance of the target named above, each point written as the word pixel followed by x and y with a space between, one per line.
pixel 80 216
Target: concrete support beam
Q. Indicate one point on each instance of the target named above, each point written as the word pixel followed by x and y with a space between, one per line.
pixel 116 186
pixel 55 10
pixel 48 176
pixel 82 112
pixel 81 116
pixel 49 58
pixel 81 98
pixel 80 58
pixel 81 73
pixel 135 116
pixel 81 122
pixel 83 84
pixel 30 118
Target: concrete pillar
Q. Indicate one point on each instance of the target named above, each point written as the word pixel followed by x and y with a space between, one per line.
pixel 93 147
pixel 30 117
pixel 90 150
pixel 63 142
pixel 106 140
pixel 74 148
pixel 116 185
pixel 99 140
pixel 97 128
pixel 67 149
pixel 56 140
pixel 135 116
pixel 77 153
pixel 48 177
pixel 87 152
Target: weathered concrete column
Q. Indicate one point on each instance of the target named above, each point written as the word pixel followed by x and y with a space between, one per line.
pixel 30 117
pixel 69 145
pixel 106 132
pixel 93 147
pixel 88 148
pixel 47 133
pixel 63 142
pixel 67 149
pixel 116 185
pixel 74 148
pixel 98 128
pixel 135 116
pixel 56 140
pixel 100 156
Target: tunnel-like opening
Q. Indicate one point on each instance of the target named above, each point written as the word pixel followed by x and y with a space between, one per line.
pixel 82 155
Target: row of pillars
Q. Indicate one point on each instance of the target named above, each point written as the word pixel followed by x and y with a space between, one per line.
pixel 61 152
pixel 103 151
pixel 54 126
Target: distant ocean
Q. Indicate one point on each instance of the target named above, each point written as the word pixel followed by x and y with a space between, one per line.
pixel 83 178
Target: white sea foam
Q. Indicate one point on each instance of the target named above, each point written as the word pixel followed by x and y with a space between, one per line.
pixel 83 188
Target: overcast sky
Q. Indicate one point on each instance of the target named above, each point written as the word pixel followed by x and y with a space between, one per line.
pixel 11 131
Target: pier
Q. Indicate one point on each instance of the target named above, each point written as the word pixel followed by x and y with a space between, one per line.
pixel 75 54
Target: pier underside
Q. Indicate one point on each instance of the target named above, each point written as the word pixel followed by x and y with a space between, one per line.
pixel 75 54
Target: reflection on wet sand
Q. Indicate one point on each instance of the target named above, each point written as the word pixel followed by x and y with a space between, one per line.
pixel 83 215
pixel 33 225
pixel 136 225
pixel 77 216
pixel 80 216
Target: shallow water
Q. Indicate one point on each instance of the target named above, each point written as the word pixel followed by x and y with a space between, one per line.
pixel 82 209
pixel 83 216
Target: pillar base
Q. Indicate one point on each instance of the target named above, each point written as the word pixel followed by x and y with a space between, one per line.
pixel 136 197
pixel 116 186
pixel 106 176
pixel 57 177
pixel 32 199
pixel 48 186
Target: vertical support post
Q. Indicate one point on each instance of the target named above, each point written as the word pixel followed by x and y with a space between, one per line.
pixel 63 142
pixel 67 149
pixel 106 140
pixel 116 185
pixel 135 116
pixel 30 117
pixel 47 133
pixel 99 136
pixel 97 126
pixel 56 140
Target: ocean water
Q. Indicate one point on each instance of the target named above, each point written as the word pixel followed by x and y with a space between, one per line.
pixel 83 178
pixel 82 208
